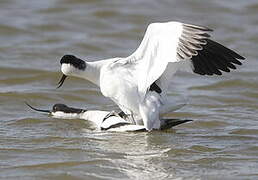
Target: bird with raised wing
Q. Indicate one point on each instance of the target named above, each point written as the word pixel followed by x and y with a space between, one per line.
pixel 138 84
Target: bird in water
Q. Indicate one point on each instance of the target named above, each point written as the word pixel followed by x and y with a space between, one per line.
pixel 138 84
pixel 101 121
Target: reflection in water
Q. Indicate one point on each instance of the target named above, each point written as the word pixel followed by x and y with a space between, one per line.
pixel 221 142
pixel 134 154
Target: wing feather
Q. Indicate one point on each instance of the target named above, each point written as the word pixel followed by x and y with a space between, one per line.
pixel 157 49
pixel 175 42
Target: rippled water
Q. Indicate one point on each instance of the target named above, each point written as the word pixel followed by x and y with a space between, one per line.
pixel 222 142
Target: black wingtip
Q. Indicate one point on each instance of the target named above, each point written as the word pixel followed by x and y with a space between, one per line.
pixel 215 58
pixel 240 57
pixel 35 109
pixel 198 27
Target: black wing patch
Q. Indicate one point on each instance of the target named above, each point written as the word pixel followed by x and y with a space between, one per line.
pixel 214 58
pixel 155 87
pixel 208 57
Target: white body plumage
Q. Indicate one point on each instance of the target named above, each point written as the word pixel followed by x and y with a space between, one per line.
pixel 138 83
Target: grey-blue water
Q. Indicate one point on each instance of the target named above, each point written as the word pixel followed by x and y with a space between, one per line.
pixel 221 142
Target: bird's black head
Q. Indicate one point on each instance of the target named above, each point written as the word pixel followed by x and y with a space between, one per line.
pixel 70 66
pixel 66 109
pixel 73 60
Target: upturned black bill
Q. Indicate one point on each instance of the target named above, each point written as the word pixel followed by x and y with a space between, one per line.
pixel 60 83
pixel 40 110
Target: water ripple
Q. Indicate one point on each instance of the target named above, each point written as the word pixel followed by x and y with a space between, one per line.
pixel 221 142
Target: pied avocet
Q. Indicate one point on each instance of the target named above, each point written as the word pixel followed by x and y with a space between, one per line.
pixel 138 83
pixel 102 121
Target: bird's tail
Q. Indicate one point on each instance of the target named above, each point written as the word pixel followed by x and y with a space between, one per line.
pixel 169 123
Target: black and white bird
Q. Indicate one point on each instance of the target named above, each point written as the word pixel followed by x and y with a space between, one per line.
pixel 138 84
pixel 103 122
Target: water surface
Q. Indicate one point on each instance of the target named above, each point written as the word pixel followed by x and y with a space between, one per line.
pixel 222 142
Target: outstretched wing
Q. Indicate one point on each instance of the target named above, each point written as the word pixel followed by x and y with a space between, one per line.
pixel 177 42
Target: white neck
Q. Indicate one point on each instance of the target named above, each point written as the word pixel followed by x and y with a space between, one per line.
pixel 91 73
